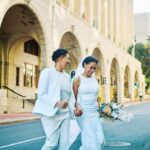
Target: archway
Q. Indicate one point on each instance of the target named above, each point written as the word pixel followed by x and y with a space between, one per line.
pixel 20 25
pixel 70 42
pixel 127 78
pixel 114 80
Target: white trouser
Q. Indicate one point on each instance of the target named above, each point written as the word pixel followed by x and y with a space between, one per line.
pixel 57 133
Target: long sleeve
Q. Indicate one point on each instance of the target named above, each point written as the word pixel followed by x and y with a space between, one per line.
pixel 48 94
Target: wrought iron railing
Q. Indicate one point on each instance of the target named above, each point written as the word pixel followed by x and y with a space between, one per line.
pixel 23 97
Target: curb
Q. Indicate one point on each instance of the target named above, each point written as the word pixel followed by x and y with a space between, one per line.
pixel 13 121
pixel 135 103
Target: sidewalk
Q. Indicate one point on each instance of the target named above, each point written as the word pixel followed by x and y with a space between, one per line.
pixel 135 102
pixel 18 117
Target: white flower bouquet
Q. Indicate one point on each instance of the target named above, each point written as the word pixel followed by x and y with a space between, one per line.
pixel 113 111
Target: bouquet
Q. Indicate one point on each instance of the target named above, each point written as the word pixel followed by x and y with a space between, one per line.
pixel 113 111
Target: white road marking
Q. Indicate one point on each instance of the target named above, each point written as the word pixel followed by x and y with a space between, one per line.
pixel 21 142
pixel 74 132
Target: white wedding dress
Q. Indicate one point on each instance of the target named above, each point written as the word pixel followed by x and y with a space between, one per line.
pixel 92 135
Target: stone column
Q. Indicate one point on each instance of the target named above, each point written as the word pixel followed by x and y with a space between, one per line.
pixel 128 25
pixel 105 17
pixel 5 73
pixel 99 15
pixel 109 17
pixel 102 16
pixel 82 8
pixel 107 88
pixel 132 23
pixel 90 12
pixel 112 20
pixel 118 22
pixel 120 86
pixel 71 5
pixel 107 83
pixel 125 24
pixel 132 88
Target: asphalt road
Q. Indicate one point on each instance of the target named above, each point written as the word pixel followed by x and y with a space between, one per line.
pixel 22 136
pixel 133 135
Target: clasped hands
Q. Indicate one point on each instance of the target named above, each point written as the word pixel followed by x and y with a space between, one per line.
pixel 78 111
pixel 63 104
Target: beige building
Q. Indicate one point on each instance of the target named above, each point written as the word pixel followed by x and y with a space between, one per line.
pixel 31 29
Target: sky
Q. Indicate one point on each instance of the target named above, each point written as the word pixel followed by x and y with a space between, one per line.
pixel 141 6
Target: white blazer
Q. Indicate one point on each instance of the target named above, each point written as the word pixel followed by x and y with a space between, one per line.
pixel 49 94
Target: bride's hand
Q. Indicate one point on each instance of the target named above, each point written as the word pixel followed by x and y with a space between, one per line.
pixel 78 111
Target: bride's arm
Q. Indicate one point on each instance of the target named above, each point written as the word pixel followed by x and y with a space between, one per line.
pixel 76 83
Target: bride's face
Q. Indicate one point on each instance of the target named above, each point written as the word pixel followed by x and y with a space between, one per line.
pixel 90 68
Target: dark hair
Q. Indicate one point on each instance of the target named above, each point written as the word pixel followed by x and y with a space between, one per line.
pixel 58 53
pixel 72 74
pixel 89 59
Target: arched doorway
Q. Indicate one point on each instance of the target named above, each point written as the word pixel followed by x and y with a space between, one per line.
pixel 127 87
pixel 70 42
pixel 136 85
pixel 114 80
pixel 22 37
pixel 100 73
pixel 20 24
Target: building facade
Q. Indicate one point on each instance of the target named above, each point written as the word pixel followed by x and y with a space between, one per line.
pixel 30 30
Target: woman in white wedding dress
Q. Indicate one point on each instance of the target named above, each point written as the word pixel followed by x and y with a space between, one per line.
pixel 85 87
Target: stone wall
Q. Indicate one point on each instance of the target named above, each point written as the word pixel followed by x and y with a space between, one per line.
pixel 3 101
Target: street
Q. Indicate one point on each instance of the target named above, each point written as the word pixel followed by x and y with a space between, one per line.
pixel 133 135
pixel 22 136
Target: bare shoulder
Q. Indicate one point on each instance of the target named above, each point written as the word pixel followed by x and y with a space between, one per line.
pixel 76 81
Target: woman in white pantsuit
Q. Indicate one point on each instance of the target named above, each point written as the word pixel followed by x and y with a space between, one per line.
pixel 86 88
pixel 55 102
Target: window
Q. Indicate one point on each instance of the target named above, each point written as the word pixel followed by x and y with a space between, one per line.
pixel 36 76
pixel 17 76
pixel 31 47
pixel 28 75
